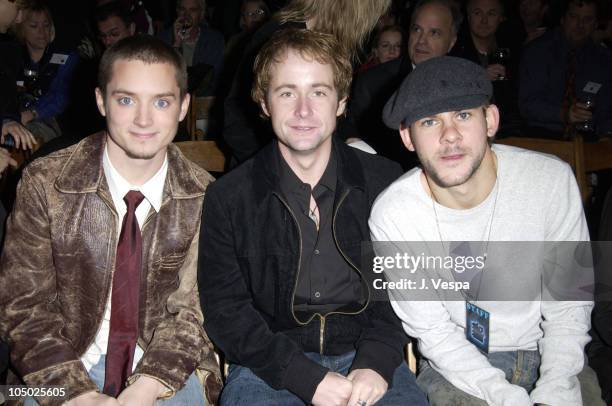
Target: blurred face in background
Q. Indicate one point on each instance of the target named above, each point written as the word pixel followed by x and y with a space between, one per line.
pixel 431 33
pixel 579 22
pixel 252 15
pixel 36 29
pixel 532 12
pixel 114 29
pixel 484 16
pixel 389 46
pixel 8 14
pixel 190 11
pixel 385 20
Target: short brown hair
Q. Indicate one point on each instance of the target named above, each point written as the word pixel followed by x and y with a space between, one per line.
pixel 312 45
pixel 146 49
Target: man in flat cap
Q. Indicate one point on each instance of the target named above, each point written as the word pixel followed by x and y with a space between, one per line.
pixel 475 352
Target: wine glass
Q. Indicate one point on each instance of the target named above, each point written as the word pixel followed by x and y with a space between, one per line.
pixel 500 56
pixel 589 104
pixel 186 25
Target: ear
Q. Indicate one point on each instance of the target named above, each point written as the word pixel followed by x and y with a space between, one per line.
pixel 184 106
pixel 406 139
pixel 452 43
pixel 264 108
pixel 341 107
pixel 132 28
pixel 100 102
pixel 20 16
pixel 492 118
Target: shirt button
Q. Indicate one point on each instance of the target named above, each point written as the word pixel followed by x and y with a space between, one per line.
pixel 317 294
pixel 316 252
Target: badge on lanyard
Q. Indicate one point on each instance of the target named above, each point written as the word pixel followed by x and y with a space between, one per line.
pixel 477 326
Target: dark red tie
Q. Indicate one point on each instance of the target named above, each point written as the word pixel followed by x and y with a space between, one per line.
pixel 124 301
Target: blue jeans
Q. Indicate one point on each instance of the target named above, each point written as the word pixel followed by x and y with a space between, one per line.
pixel 521 368
pixel 191 394
pixel 243 387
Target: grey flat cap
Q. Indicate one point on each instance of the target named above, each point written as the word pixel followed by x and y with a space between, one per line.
pixel 435 86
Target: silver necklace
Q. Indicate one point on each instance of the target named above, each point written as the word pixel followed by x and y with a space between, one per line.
pixel 434 200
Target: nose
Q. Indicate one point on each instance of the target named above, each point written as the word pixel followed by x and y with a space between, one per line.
pixel 144 117
pixel 450 134
pixel 303 107
pixel 420 38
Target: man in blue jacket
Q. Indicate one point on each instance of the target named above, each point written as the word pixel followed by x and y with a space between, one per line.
pixel 281 277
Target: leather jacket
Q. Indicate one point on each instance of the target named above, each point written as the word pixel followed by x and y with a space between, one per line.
pixel 57 265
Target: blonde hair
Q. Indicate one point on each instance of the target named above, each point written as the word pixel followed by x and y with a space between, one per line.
pixel 311 45
pixel 34 7
pixel 350 21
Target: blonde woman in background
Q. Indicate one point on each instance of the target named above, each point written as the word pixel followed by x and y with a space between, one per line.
pixel 46 74
pixel 13 134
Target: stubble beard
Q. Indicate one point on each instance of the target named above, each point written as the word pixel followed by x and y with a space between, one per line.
pixel 434 174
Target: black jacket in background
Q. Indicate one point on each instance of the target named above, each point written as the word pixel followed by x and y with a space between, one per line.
pixel 248 262
pixel 505 92
pixel 10 63
pixel 371 91
pixel 244 131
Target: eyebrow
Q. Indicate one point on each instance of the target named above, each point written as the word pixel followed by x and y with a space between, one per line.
pixel 314 85
pixel 128 93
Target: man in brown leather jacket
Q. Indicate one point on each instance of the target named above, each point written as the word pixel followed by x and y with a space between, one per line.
pixel 61 262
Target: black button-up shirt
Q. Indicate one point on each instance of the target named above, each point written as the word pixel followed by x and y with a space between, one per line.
pixel 326 281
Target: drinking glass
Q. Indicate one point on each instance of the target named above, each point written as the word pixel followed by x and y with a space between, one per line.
pixel 589 104
pixel 500 56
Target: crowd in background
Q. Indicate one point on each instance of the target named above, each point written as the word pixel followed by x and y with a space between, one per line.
pixel 59 50
pixel 550 65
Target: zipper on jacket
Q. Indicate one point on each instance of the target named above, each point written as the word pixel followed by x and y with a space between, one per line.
pixel 297 275
pixel 321 334
pixel 346 257
pixel 321 316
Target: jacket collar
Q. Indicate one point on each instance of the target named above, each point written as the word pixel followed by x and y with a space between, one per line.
pixel 83 172
pixel 266 169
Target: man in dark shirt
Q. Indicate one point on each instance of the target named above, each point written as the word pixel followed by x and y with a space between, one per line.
pixel 563 68
pixel 282 281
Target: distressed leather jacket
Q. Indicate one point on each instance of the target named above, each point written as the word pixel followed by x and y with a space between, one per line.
pixel 57 265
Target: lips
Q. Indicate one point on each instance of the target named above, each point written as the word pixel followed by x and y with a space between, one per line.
pixel 302 128
pixel 143 135
pixel 452 156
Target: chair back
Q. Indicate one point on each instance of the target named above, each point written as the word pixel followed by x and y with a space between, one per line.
pixel 205 154
pixel 199 108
